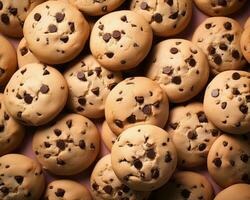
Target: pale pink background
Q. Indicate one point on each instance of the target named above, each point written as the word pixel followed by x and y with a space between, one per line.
pixel 83 177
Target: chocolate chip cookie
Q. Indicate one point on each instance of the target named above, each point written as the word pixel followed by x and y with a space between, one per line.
pixel 8 60
pixel 247 23
pixel 229 160
pixel 227 101
pixel 180 67
pixel 13 14
pixel 108 137
pixel 167 18
pixel 121 40
pixel 192 133
pixel 89 85
pixel 35 94
pixel 144 157
pixel 106 186
pixel 245 43
pixel 186 185
pixel 136 100
pixel 56 32
pixel 67 190
pixel 21 178
pixel 219 38
pixel 71 140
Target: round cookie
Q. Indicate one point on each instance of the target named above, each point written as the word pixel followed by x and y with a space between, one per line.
pixel 142 102
pixel 56 32
pixel 245 43
pixel 89 85
pixel 8 60
pixel 33 88
pixel 219 38
pixel 66 189
pixel 227 101
pixel 192 134
pixel 144 157
pixel 229 160
pixel 167 18
pixel 219 7
pixel 241 190
pixel 186 185
pixel 106 186
pixel 96 8
pixel 247 23
pixel 121 40
pixel 24 55
pixel 13 14
pixel 180 67
pixel 21 178
pixel 108 137
pixel 71 140
pixel 11 132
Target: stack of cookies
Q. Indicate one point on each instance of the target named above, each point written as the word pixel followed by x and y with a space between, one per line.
pixel 119 73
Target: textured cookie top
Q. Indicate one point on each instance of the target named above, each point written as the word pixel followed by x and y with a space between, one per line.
pixel 121 40
pixel 245 43
pixel 192 134
pixel 56 32
pixel 106 186
pixel 89 85
pixel 108 137
pixel 180 67
pixel 142 102
pixel 186 185
pixel 219 38
pixel 13 15
pixel 67 190
pixel 33 88
pixel 227 101
pixel 144 157
pixel 70 140
pixel 229 160
pixel 21 178
pixel 166 17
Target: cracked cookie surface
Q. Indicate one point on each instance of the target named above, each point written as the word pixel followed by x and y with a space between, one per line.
pixel 106 186
pixel 66 190
pixel 144 157
pixel 186 185
pixel 192 134
pixel 33 93
pixel 11 132
pixel 89 85
pixel 21 178
pixel 108 137
pixel 227 101
pixel 71 140
pixel 121 40
pixel 166 17
pixel 180 67
pixel 56 32
pixel 142 102
pixel 13 14
pixel 229 160
pixel 219 7
pixel 219 38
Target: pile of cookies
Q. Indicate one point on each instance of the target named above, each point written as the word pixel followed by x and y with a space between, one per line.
pixel 170 105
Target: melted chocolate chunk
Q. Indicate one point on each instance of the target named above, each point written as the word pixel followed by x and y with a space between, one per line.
pixel 60 144
pixel 215 93
pixel 137 164
pixel 147 110
pixel 28 98
pixel 174 15
pixel 5 19
pixel 176 80
pixel 139 99
pixel 37 17
pixel 244 109
pixel 118 123
pixel 236 76
pixel 23 51
pixel 192 135
pixel 202 117
pixel 151 153
pixel 19 179
pixel 81 76
pixel 131 119
pixel 44 89
pixel 217 162
pixel 108 189
pixel 185 193
pixel 82 144
pixel 155 173
pixel 244 158
pixel 52 28
pixel 167 70
pixel 59 17
pixel 82 101
pixel 144 6
pixel 116 34
pixel 57 132
pixel 228 26
pixel 60 192
pixel 69 123
pixel 174 50
pixel 169 2
pixel 223 105
pixel 157 17
pixel 106 37
pixel 168 157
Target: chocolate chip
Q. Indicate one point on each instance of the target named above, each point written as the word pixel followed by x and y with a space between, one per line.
pixel 173 125
pixel 185 193
pixel 60 162
pixel 104 8
pixel 222 3
pixel 46 72
pixel 101 27
pixel 169 2
pixel 81 76
pixel 217 59
pixel 228 26
pixel 47 155
pixel 95 91
pixel 71 26
pixel 47 145
pixel 19 179
pixel 176 80
pixel 1 5
pixel 192 135
pixel 5 19
pixel 235 91
pixel 223 46
pixel 108 189
pixel 144 5
pixel 116 34
pixel 60 192
pixel 44 89
pixel 202 117
pixel 211 50
pixel 109 54
pixel 95 186
pixel 147 110
pixel 60 144
pixel 2 71
pixel 124 18
pixel 82 144
pixel 98 71
pixel 118 123
pixel 139 99
pixel 4 190
pixel 19 114
pixel 82 101
pixel 167 70
pixel 64 39
pixel 52 28
pixel 106 37
pixel 155 173
pixel 137 164
pixel 69 123
pixel 248 98
pixel 192 62
pixel 57 132
pixel 23 51
pixel 157 17
pixel 174 15
pixel 229 37
pixel 59 17
pixel 151 153
pixel 28 98
pixel 111 86
pixel 168 157
pixel 37 17
pixel 6 116
pixel 202 146
pixel 244 158
pixel 174 50
pixel 215 93
pixel 208 26
pixel 217 162
pixel 235 54
pixel 244 109
pixel 223 105
pixel 123 62
pixel 236 76
pixel 225 143
pixel 131 119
